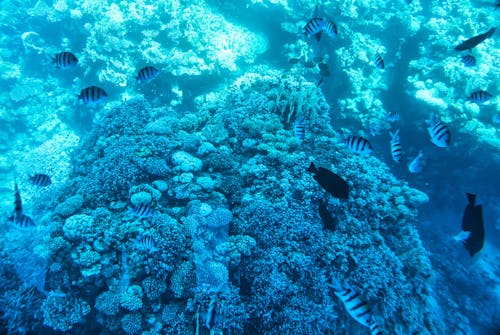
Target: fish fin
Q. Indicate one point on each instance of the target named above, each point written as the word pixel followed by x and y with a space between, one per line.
pixel 312 168
pixel 318 36
pixel 462 236
pixel 471 198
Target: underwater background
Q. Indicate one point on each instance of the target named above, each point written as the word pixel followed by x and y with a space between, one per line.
pixel 177 143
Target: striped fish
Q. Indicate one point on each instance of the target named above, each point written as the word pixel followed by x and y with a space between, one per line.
pixel 395 146
pixel 23 221
pixel 469 60
pixel 147 243
pixel 18 217
pixel 146 74
pixel 314 27
pixel 40 179
pixel 92 95
pixel 64 60
pixel 393 116
pixel 142 211
pixel 330 28
pixel 479 97
pixel 358 144
pixel 356 307
pixel 439 132
pixel 379 62
pixel 299 128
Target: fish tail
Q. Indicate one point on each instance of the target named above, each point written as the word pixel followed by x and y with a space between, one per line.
pixel 491 32
pixel 312 168
pixel 471 198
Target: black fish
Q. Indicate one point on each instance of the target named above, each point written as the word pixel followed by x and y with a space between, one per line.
pixel 293 60
pixel 309 64
pixel 323 66
pixel 472 222
pixel 469 60
pixel 146 74
pixel 40 179
pixel 328 220
pixel 379 62
pixel 473 41
pixel 330 182
pixel 92 95
pixel 324 73
pixel 64 60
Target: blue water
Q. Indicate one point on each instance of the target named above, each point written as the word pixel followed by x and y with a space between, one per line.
pixel 183 205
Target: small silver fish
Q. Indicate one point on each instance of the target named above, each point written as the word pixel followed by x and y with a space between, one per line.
pixel 416 164
pixel 496 118
pixel 211 314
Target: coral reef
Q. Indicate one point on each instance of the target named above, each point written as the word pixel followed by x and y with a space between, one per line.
pixel 235 216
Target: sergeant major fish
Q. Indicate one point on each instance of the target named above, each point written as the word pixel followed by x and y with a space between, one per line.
pixel 40 179
pixel 469 60
pixel 64 60
pixel 92 95
pixel 473 41
pixel 18 217
pixel 314 27
pixel 359 145
pixel 478 97
pixel 356 307
pixel 299 128
pixel 395 146
pixel 330 28
pixel 142 211
pixel 416 164
pixel 146 74
pixel 439 132
pixel 379 62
